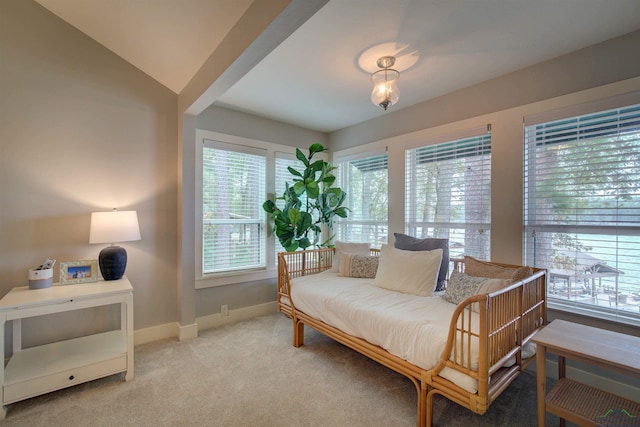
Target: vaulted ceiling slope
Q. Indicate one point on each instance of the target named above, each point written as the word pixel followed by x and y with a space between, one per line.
pixel 318 78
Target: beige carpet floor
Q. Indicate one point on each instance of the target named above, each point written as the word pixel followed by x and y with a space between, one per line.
pixel 249 374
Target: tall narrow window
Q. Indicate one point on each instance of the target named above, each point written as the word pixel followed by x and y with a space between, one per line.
pixel 283 177
pixel 365 180
pixel 448 193
pixel 582 210
pixel 233 221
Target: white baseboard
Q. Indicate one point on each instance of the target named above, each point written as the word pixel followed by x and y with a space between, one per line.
pixel 216 320
pixel 155 333
pixel 189 332
pixel 185 333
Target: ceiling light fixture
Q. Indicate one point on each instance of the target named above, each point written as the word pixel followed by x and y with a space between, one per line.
pixel 385 88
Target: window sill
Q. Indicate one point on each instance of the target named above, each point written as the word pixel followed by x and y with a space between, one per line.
pixel 620 317
pixel 234 277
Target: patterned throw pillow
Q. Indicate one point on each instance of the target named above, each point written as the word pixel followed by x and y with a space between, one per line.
pixel 461 287
pixel 348 248
pixel 354 265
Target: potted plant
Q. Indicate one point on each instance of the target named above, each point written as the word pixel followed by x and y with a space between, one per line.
pixel 310 202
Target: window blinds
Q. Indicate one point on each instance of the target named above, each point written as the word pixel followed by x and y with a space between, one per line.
pixel 365 180
pixel 448 193
pixel 232 215
pixel 582 207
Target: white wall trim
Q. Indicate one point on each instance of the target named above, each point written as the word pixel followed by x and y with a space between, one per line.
pixel 189 332
pixel 185 333
pixel 155 333
pixel 217 319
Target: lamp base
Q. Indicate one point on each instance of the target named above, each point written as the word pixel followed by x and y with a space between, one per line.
pixel 113 262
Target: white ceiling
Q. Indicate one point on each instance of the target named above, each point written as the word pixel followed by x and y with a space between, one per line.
pixel 318 78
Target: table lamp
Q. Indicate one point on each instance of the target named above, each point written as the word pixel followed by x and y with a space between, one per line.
pixel 113 227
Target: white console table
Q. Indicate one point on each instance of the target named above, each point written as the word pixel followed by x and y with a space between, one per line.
pixel 45 368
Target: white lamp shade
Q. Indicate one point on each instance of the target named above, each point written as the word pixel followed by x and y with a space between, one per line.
pixel 114 226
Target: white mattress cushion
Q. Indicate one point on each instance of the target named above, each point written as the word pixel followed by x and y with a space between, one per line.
pixel 414 328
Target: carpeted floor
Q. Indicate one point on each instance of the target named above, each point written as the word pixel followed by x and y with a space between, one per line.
pixel 249 374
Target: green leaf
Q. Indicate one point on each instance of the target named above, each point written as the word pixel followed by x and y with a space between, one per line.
pixel 317 166
pixel 341 212
pixel 294 215
pixel 304 222
pixel 269 207
pixel 292 171
pixel 300 156
pixel 313 190
pixel 287 240
pixel 291 247
pixel 316 148
pixel 304 243
pixel 329 180
pixel 282 224
pixel 299 188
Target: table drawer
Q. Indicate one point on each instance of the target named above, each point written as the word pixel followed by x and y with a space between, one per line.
pixel 57 380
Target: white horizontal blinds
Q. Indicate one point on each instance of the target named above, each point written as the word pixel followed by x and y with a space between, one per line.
pixel 365 180
pixel 448 193
pixel 582 208
pixel 232 215
pixel 283 177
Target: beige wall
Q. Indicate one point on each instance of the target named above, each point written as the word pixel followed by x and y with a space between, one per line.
pixel 82 130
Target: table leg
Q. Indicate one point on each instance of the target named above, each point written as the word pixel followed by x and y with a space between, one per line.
pixel 541 360
pixel 3 408
pixel 562 372
pixel 17 335
pixel 128 309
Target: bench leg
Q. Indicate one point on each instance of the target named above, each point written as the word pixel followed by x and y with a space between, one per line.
pixel 429 407
pixel 298 333
pixel 423 408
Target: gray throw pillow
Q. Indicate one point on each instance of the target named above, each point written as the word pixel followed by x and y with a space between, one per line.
pixel 409 243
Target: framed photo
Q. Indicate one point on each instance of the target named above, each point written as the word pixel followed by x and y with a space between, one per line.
pixel 78 272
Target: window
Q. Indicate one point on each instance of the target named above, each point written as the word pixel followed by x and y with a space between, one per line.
pixel 283 176
pixel 448 193
pixel 582 210
pixel 233 222
pixel 365 180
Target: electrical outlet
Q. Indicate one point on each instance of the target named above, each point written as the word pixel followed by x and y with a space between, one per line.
pixel 224 310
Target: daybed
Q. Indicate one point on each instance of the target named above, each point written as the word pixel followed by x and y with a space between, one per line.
pixel 469 352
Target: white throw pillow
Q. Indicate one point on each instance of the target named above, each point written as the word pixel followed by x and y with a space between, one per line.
pixel 351 248
pixel 410 272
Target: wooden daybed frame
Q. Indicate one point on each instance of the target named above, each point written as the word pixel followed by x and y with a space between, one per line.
pixel 506 322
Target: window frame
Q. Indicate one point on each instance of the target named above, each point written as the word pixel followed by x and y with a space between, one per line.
pixel 365 154
pixel 269 271
pixel 531 227
pixel 410 223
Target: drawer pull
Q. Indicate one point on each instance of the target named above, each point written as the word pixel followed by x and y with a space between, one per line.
pixel 71 377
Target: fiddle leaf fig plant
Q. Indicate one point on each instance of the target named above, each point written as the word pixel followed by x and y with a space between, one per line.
pixel 310 201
